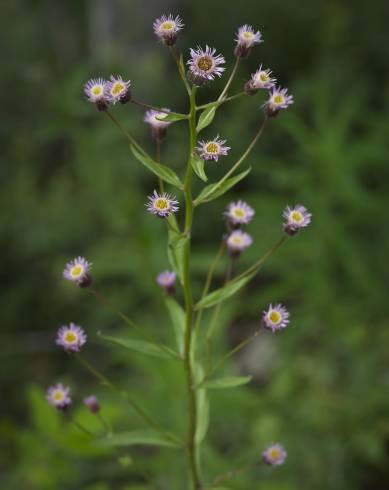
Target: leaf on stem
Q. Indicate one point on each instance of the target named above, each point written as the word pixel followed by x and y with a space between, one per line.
pixel 229 382
pixel 137 437
pixel 176 246
pixel 171 117
pixel 202 407
pixel 213 191
pixel 163 172
pixel 177 315
pixel 206 117
pixel 142 346
pixel 198 166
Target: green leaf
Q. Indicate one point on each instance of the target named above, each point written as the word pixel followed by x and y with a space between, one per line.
pixel 202 407
pixel 213 191
pixel 177 315
pixel 206 117
pixel 176 246
pixel 198 166
pixel 137 437
pixel 141 346
pixel 227 382
pixel 165 173
pixel 223 293
pixel 172 117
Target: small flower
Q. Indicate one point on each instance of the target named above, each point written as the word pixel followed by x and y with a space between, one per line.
pixel 166 28
pixel 204 65
pixel 167 280
pixel 71 337
pixel 237 241
pixel 117 90
pixel 78 271
pixel 211 150
pixel 95 92
pixel 158 127
pixel 163 205
pixel 295 218
pixel 261 79
pixel 278 99
pixel 275 318
pixel 274 455
pixel 92 403
pixel 239 213
pixel 246 38
pixel 59 396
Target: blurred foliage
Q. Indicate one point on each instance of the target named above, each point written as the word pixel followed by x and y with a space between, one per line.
pixel 70 186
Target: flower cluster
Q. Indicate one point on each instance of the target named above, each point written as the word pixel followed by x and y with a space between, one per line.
pixel 103 92
pixel 237 214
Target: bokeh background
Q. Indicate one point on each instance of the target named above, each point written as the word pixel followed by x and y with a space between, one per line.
pixel 69 186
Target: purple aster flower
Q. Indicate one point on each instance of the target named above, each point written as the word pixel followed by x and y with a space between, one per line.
pixel 92 403
pixel 78 271
pixel 95 92
pixel 71 337
pixel 59 396
pixel 246 37
pixel 261 79
pixel 237 241
pixel 167 27
pixel 167 280
pixel 204 65
pixel 163 205
pixel 275 317
pixel 211 150
pixel 117 90
pixel 295 218
pixel 239 213
pixel 158 126
pixel 278 99
pixel 274 455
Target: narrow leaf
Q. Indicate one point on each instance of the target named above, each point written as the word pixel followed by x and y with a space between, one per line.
pixel 227 382
pixel 202 407
pixel 206 117
pixel 137 437
pixel 223 293
pixel 141 346
pixel 177 315
pixel 165 173
pixel 198 166
pixel 171 117
pixel 214 191
pixel 176 246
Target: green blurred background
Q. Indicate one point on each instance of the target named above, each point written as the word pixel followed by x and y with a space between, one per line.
pixel 69 186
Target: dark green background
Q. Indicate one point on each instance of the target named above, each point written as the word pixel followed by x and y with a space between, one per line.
pixel 69 186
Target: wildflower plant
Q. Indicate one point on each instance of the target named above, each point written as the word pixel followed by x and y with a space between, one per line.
pixel 174 202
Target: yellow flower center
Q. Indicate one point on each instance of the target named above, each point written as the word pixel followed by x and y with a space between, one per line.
pixel 58 396
pixel 237 240
pixel 279 99
pixel 212 147
pixel 263 77
pixel 167 26
pixel 274 453
pixel 239 213
pixel 248 35
pixel 97 90
pixel 76 271
pixel 274 316
pixel 297 216
pixel 161 203
pixel 70 337
pixel 117 88
pixel 204 63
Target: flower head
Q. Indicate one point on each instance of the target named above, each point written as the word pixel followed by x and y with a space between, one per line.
pixel 237 241
pixel 275 317
pixel 295 218
pixel 213 149
pixel 274 455
pixel 163 205
pixel 167 280
pixel 71 337
pixel 94 90
pixel 77 271
pixel 246 37
pixel 167 27
pixel 261 79
pixel 204 65
pixel 59 396
pixel 92 403
pixel 117 90
pixel 239 213
pixel 158 126
pixel 278 99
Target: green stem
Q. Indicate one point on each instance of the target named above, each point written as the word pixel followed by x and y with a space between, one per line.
pixel 181 70
pixel 159 109
pixel 215 103
pixel 229 81
pixel 130 138
pixel 81 427
pixel 158 160
pixel 104 422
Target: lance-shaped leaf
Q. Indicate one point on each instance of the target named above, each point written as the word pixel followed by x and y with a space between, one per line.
pixel 213 191
pixel 143 347
pixel 229 382
pixel 176 245
pixel 167 117
pixel 177 315
pixel 206 117
pixel 137 437
pixel 198 166
pixel 165 173
pixel 202 407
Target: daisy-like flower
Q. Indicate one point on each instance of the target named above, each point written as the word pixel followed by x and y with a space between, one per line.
pixel 71 337
pixel 167 27
pixel 261 79
pixel 117 90
pixel 167 280
pixel 92 403
pixel 246 37
pixel 295 218
pixel 237 241
pixel 275 317
pixel 158 126
pixel 213 149
pixel 94 90
pixel 274 455
pixel 163 205
pixel 59 396
pixel 278 99
pixel 77 271
pixel 204 65
pixel 239 213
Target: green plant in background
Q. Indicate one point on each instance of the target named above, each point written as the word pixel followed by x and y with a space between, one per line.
pixel 195 338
